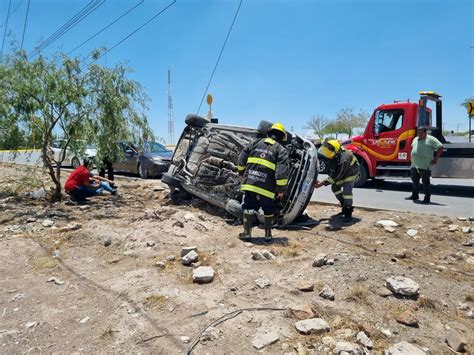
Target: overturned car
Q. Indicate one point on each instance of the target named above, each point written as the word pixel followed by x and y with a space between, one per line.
pixel 204 164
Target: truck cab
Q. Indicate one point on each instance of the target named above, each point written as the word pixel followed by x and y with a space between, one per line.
pixel 384 148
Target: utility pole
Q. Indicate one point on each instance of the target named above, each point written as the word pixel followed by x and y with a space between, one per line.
pixel 170 112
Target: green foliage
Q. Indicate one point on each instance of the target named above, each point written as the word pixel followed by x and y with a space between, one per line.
pixel 62 96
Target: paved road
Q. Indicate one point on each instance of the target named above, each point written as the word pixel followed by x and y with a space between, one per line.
pixel 450 197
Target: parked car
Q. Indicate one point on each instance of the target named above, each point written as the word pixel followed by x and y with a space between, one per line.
pixel 153 159
pixel 205 159
pixel 75 152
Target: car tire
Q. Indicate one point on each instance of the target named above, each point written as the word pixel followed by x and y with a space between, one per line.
pixel 234 208
pixel 263 127
pixel 195 121
pixel 170 180
pixel 362 176
pixel 323 166
pixel 75 162
pixel 143 171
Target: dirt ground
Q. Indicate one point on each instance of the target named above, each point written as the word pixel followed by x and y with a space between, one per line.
pixel 64 289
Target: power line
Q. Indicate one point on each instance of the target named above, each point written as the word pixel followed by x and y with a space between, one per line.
pixel 76 19
pixel 219 57
pixel 6 26
pixel 13 11
pixel 133 32
pixel 24 25
pixel 106 27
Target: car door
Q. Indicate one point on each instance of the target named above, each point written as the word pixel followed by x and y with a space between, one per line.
pixel 128 161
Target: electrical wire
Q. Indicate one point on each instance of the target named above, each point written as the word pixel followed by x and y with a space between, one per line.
pixel 76 19
pixel 6 26
pixel 24 25
pixel 13 11
pixel 106 27
pixel 219 57
pixel 133 32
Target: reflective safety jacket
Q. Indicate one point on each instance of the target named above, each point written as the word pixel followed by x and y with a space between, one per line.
pixel 344 167
pixel 264 165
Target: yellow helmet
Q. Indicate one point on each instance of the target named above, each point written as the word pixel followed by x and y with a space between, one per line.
pixel 278 127
pixel 329 148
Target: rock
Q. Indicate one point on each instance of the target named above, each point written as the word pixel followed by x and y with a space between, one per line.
pixel 470 260
pixel 72 227
pixel 84 208
pixel 47 223
pixel 402 254
pixel 468 243
pixel 257 255
pixel 150 243
pixel 466 230
pixel 37 194
pixel 185 339
pixel 412 232
pixel 84 320
pixel 56 281
pixel 186 250
pixel 210 334
pixel 453 227
pixel 327 293
pixel 383 292
pixel 158 188
pixel 320 260
pixel 403 348
pixel 345 347
pixel 305 286
pixel 386 332
pixel 462 219
pixel 313 325
pixel 263 340
pixel 470 314
pixel 455 340
pixel 190 258
pixel 463 306
pixel 18 296
pixel 386 223
pixel 170 258
pixel 203 274
pixel 188 217
pixel 364 340
pixel 408 318
pixel 160 264
pixel 402 286
pixel 262 282
pixel 31 324
pixel 302 312
pixel 178 224
pixel 268 255
pixel 330 262
pixel 107 241
pixel 389 229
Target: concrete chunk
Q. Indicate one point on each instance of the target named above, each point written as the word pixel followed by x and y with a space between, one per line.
pixel 313 325
pixel 203 274
pixel 402 286
pixel 262 340
pixel 404 348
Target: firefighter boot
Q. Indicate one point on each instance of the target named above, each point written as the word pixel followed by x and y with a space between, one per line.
pixel 248 219
pixel 427 199
pixel 343 211
pixel 347 214
pixel 414 196
pixel 268 228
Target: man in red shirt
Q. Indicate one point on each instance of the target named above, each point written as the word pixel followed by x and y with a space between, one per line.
pixel 78 183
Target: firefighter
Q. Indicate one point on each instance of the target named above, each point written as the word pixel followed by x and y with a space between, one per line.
pixel 264 167
pixel 343 171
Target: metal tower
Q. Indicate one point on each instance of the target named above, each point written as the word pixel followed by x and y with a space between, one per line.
pixel 170 112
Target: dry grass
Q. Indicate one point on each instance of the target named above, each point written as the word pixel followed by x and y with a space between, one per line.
pixel 44 263
pixel 154 301
pixel 469 298
pixel 108 332
pixel 424 302
pixel 292 249
pixel 358 294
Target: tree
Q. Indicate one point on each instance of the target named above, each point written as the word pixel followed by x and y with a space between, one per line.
pixel 318 124
pixel 334 127
pixel 77 101
pixel 348 120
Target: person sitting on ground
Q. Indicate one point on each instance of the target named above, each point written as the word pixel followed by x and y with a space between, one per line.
pixel 81 183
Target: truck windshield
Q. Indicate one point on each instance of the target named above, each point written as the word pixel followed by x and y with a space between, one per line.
pixel 388 120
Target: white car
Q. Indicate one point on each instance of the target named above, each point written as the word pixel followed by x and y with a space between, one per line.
pixel 75 152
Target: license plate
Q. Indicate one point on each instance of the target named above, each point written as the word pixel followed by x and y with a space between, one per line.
pixel 306 186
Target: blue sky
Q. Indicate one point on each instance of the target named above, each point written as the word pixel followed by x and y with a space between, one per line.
pixel 285 60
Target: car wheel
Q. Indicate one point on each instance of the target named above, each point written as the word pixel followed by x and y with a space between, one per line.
pixel 363 175
pixel 170 180
pixel 323 166
pixel 195 121
pixel 143 171
pixel 234 207
pixel 75 162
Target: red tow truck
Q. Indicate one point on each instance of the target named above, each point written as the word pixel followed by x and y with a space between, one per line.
pixel 384 148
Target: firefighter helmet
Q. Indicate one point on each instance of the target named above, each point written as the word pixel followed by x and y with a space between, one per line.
pixel 278 127
pixel 329 148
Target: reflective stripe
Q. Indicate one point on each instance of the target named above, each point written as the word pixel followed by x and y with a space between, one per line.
pixel 240 168
pixel 282 182
pixel 354 160
pixel 347 197
pixel 261 161
pixel 268 215
pixel 338 192
pixel 330 180
pixel 269 140
pixel 258 190
pixel 347 179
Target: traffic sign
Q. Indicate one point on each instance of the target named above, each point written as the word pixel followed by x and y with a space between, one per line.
pixel 209 99
pixel 470 108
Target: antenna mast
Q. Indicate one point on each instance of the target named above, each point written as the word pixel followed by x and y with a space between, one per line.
pixel 170 112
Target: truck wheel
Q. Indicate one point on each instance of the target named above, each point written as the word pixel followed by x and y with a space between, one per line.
pixel 234 208
pixel 363 175
pixel 323 166
pixel 170 180
pixel 75 162
pixel 195 121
